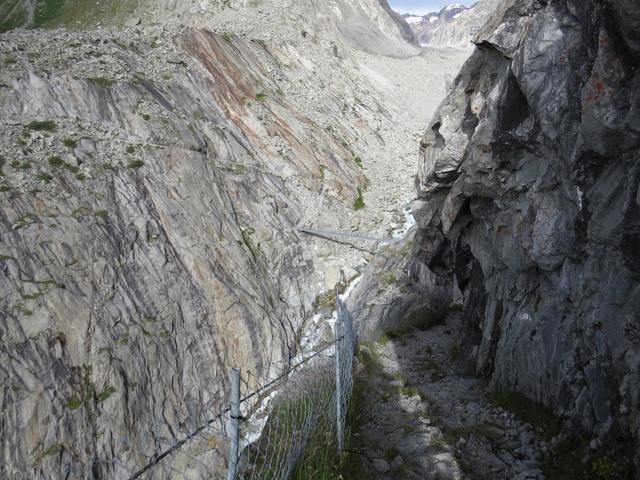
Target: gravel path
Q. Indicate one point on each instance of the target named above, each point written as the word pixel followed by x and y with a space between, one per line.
pixel 420 417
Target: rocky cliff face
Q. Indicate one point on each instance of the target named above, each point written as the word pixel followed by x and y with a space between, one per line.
pixel 151 181
pixel 454 26
pixel 425 26
pixel 529 202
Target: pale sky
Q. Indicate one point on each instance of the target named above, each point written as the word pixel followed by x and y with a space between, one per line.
pixel 421 7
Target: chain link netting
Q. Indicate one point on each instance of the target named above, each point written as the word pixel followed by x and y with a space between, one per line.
pixel 305 424
pixel 292 427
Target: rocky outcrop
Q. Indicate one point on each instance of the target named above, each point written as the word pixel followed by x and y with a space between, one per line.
pixel 151 182
pixel 454 26
pixel 529 181
pixel 425 26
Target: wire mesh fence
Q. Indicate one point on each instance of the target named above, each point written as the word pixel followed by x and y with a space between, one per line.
pixel 304 432
pixel 291 427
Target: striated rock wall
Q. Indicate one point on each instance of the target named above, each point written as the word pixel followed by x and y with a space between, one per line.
pixel 151 184
pixel 528 194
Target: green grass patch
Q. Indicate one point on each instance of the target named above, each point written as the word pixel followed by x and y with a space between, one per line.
pixel 358 203
pixel 40 126
pixel 358 161
pixel 70 143
pixel 130 149
pixel 261 97
pixel 101 213
pixel 146 117
pixel 74 403
pixel 106 393
pixel 45 177
pixel 70 168
pixel 300 415
pixel 56 161
pixel 103 82
pixel 352 465
pixel 135 164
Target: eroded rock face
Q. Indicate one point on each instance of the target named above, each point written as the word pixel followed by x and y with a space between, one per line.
pixel 530 170
pixel 151 183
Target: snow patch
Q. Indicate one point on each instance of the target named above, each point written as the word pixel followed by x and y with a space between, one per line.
pixel 414 19
pixel 433 19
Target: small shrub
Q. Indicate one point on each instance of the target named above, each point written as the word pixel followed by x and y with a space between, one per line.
pixel 70 168
pixel 101 213
pixel 261 97
pixel 102 81
pixel 358 161
pixel 326 300
pixel 45 177
pixel 130 149
pixel 105 394
pixel 69 142
pixel 389 279
pixel 81 176
pixel 227 37
pixel 74 403
pixel 2 162
pixel 146 117
pixel 358 204
pixel 45 125
pixel 56 161
pixel 135 164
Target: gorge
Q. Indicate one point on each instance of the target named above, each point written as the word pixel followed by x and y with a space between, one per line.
pixel 158 160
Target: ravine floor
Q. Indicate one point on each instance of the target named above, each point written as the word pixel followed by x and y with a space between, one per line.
pixel 416 415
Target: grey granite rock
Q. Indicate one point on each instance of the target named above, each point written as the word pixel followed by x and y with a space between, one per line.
pixel 529 172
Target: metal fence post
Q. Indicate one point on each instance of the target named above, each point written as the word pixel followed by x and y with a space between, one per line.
pixel 338 333
pixel 234 424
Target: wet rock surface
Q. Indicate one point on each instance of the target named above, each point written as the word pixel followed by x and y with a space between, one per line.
pixel 528 187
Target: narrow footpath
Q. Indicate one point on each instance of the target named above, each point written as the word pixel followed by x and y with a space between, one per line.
pixel 416 415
